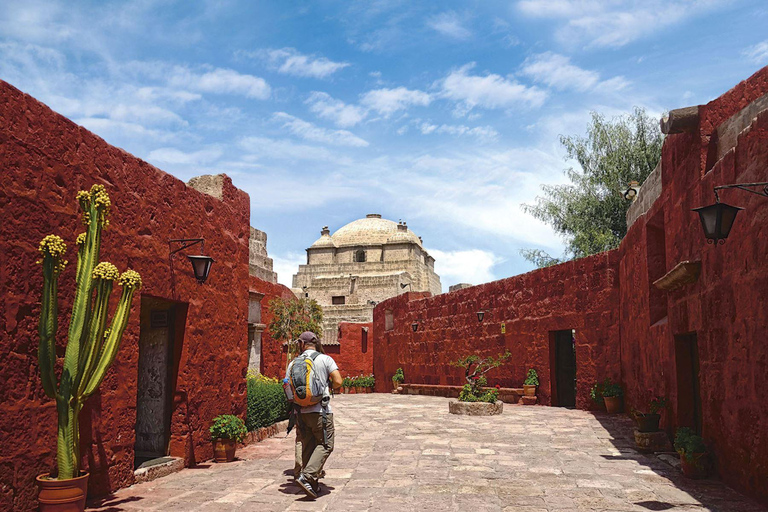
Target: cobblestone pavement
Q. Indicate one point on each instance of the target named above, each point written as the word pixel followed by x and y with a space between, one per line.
pixel 400 453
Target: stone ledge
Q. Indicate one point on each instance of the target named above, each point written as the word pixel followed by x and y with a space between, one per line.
pixel 475 408
pixel 506 395
pixel 263 433
pixel 150 473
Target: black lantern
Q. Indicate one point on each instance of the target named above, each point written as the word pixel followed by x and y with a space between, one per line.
pixel 717 221
pixel 480 315
pixel 201 265
pixel 415 326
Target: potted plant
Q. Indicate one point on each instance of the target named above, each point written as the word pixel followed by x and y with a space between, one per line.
pixel 92 344
pixel 398 378
pixel 596 394
pixel 226 431
pixel 649 422
pixel 531 381
pixel 346 383
pixel 694 460
pixel 612 395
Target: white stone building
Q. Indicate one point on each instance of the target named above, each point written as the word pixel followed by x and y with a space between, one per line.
pixel 361 264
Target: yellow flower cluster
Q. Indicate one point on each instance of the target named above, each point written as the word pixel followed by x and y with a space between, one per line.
pixel 107 271
pixel 81 239
pixel 53 246
pixel 130 279
pixel 100 199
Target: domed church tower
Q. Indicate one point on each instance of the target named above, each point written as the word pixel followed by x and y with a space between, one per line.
pixel 361 264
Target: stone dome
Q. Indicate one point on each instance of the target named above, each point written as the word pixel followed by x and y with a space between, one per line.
pixel 372 230
pixel 325 240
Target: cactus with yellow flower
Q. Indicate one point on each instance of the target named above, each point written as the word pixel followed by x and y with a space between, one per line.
pixel 92 344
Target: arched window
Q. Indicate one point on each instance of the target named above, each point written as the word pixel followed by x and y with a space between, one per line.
pixel 359 256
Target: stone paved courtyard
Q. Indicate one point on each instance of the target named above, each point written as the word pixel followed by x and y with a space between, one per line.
pixel 398 453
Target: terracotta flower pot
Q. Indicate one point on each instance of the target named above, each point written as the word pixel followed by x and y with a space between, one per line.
pixel 62 495
pixel 395 384
pixel 224 450
pixel 694 465
pixel 613 404
pixel 352 391
pixel 529 390
pixel 648 422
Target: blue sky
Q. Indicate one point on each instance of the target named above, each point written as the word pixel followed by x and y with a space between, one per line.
pixel 444 114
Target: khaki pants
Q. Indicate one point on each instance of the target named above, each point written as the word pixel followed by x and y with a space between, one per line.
pixel 313 452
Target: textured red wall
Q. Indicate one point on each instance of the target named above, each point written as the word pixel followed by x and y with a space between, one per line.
pixel 272 353
pixel 580 295
pixel 44 160
pixel 353 355
pixel 727 308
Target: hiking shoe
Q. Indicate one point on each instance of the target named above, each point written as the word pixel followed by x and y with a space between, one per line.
pixel 321 475
pixel 306 486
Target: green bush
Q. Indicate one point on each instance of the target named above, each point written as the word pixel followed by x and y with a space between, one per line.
pixel 226 426
pixel 399 376
pixel 266 402
pixel 532 379
pixel 606 388
pixel 688 443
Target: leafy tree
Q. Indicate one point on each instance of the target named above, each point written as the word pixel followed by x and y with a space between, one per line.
pixel 291 317
pixel 590 212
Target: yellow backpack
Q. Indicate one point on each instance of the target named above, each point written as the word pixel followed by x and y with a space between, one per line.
pixel 305 385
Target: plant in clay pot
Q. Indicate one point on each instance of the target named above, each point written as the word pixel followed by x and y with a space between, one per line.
pixel 346 383
pixel 531 381
pixel 226 431
pixel 398 378
pixel 609 393
pixel 694 459
pixel 92 344
pixel 649 422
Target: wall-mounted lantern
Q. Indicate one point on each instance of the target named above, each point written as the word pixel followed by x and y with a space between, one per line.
pixel 717 219
pixel 201 264
pixel 415 326
pixel 480 315
pixel 632 190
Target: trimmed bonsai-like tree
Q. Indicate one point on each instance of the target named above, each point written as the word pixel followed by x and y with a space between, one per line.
pixel 475 369
pixel 92 345
pixel 398 378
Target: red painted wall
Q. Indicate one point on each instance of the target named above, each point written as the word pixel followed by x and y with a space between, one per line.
pixel 580 295
pixel 353 355
pixel 727 308
pixel 44 160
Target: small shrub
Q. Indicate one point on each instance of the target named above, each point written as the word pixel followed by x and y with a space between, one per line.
pixel 266 402
pixel 346 382
pixel 656 404
pixel 606 388
pixel 688 443
pixel 227 426
pixel 532 379
pixel 399 376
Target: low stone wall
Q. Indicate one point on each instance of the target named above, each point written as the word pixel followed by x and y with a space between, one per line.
pixel 506 395
pixel 475 408
pixel 263 433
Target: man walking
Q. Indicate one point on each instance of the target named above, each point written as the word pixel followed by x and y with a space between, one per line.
pixel 315 422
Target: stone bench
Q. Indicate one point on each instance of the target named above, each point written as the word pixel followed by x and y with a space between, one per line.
pixel 507 395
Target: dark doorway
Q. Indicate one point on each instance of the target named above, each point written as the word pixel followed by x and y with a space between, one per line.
pixel 688 393
pixel 563 369
pixel 155 379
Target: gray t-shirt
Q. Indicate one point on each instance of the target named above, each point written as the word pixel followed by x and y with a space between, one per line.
pixel 324 366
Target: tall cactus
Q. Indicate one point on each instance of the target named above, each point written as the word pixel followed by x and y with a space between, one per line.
pixel 91 345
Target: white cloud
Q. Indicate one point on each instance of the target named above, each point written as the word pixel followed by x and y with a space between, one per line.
pixel 258 148
pixel 481 132
pixel 558 72
pixel 616 22
pixel 286 265
pixel 388 101
pixel 472 266
pixel 757 53
pixel 449 24
pixel 489 91
pixel 290 61
pixel 220 81
pixel 175 156
pixel 309 131
pixel 326 107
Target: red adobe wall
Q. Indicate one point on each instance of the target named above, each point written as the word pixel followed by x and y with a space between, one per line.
pixel 44 160
pixel 272 353
pixel 354 353
pixel 580 295
pixel 727 308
